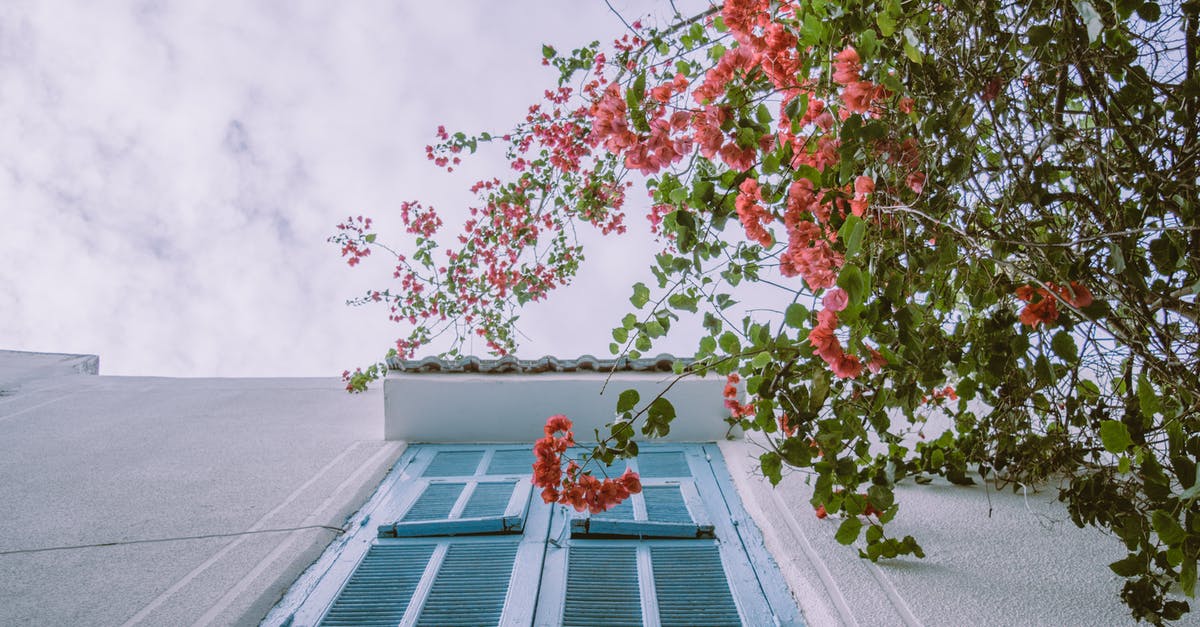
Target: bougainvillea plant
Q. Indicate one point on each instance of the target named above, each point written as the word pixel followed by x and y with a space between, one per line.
pixel 978 217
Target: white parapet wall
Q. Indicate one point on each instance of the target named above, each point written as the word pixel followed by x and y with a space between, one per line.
pixel 461 407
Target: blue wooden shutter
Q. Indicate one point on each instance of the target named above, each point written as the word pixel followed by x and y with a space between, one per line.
pixel 445 560
pixel 602 587
pixel 471 585
pixel 664 464
pixel 435 502
pixel 657 582
pixel 458 497
pixel 691 586
pixel 378 592
pixel 453 463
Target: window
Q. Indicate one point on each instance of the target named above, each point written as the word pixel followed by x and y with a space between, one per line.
pixel 456 536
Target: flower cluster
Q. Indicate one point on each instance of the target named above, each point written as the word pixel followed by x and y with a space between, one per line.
pixel 354 238
pixel 826 344
pixel 571 486
pixel 736 408
pixel 1042 306
pixel 938 394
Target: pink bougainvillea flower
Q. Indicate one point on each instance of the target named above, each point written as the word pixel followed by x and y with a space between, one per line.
pixel 847 66
pixel 916 182
pixel 1039 312
pixel 877 361
pixel 847 367
pixel 835 299
pixel 754 217
pixel 1080 295
pixel 864 186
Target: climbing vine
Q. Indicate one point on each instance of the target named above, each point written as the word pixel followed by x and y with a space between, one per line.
pixel 981 221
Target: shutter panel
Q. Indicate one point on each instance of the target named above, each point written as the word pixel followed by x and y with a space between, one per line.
pixel 511 462
pixel 491 507
pixel 471 585
pixel 661 465
pixel 489 500
pixel 453 544
pixel 602 587
pixel 379 591
pixel 435 502
pixel 664 503
pixel 453 464
pixel 691 585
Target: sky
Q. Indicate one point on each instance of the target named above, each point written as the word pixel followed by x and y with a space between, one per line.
pixel 170 171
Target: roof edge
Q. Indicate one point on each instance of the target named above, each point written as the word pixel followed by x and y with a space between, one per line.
pixel 509 364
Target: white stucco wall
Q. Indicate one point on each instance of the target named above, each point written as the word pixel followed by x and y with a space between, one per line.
pixel 460 407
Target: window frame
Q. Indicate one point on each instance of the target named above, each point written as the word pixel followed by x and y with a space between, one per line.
pixel 537 583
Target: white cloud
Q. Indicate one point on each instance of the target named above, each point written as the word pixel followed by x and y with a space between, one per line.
pixel 169 172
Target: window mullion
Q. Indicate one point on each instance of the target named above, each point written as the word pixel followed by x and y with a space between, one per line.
pixel 485 462
pixel 422 592
pixel 461 503
pixel 645 569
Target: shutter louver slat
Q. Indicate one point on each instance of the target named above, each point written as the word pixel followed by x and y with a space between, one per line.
pixel 471 586
pixel 511 462
pixel 663 465
pixel 602 587
pixel 453 464
pixel 691 586
pixel 665 504
pixel 488 499
pixel 381 587
pixel 435 502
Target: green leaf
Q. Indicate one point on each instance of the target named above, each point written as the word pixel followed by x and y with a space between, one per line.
pixel 620 335
pixel 887 24
pixel 852 233
pixel 729 343
pixel 796 316
pixel 548 51
pixel 847 532
pixel 1064 346
pixel 1115 436
pixel 370 238
pixel 641 295
pixel 662 409
pixel 1087 389
pixel 851 279
pixel 772 467
pixel 682 302
pixel 1147 399
pixel 1167 527
pixel 1187 576
pixel 1131 566
pixel 910 46
pixel 627 401
pixel 810 173
pixel 868 44
pixel 1116 259
pixel 1150 12
pixel 761 360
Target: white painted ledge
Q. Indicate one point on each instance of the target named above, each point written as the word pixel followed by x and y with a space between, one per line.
pixel 456 407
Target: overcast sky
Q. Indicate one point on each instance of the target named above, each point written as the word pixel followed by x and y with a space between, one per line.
pixel 170 171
